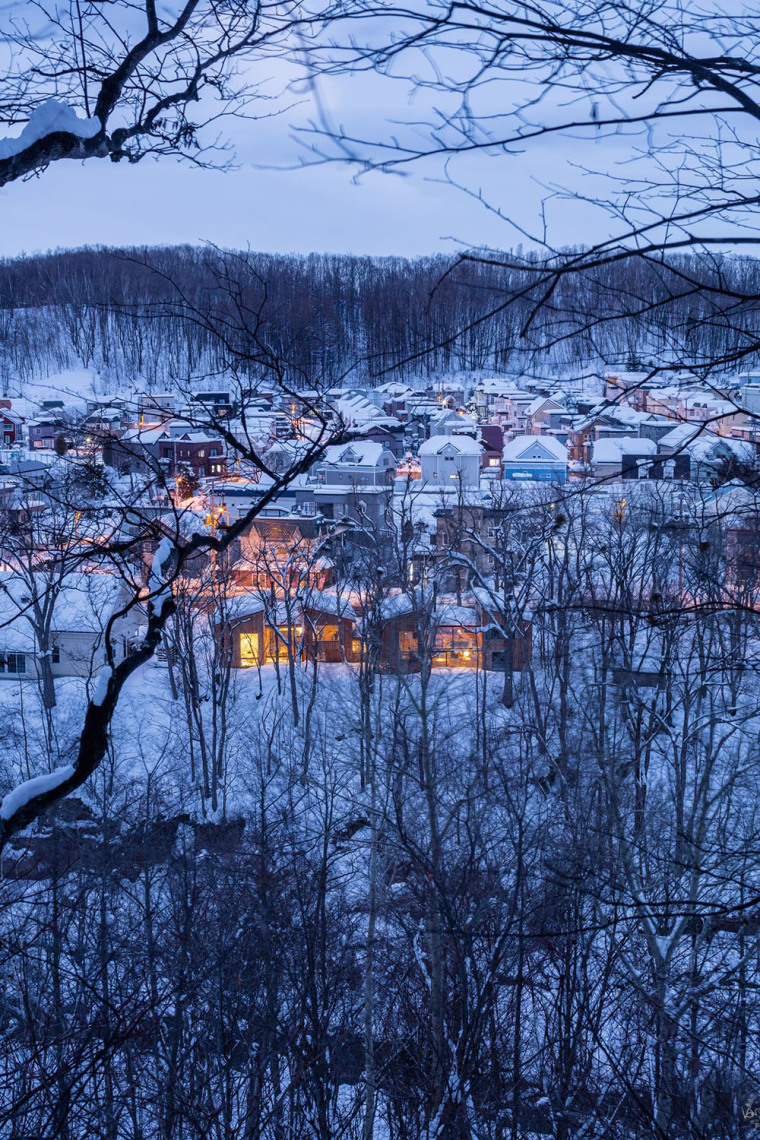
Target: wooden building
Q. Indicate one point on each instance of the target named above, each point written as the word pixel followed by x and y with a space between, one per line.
pixel 260 633
pixel 454 637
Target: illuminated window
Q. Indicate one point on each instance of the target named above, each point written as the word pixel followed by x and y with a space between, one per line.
pixel 249 650
pixel 327 633
pixel 453 637
pixel 407 642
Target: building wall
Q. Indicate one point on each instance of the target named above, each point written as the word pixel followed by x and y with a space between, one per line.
pixel 455 647
pixel 326 634
pixel 80 654
pixel 535 472
pixel 437 470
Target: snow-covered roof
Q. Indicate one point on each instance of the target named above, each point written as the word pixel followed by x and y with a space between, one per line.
pixel 623 413
pixel 456 615
pixel 612 450
pixel 521 445
pixel 682 434
pixel 463 444
pixel 239 607
pixel 356 410
pixel 706 448
pixel 197 437
pixel 83 605
pixel 626 377
pixel 145 436
pixel 461 421
pixel 328 602
pixel 500 385
pixel 714 404
pixel 540 402
pixel 361 453
pixel 396 605
pixel 394 389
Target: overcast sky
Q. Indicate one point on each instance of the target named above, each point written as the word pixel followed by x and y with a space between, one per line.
pixel 319 208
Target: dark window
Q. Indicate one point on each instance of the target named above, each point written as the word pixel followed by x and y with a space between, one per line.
pixel 56 656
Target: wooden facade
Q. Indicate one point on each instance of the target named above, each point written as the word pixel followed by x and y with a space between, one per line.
pixel 456 645
pixel 259 638
pixel 463 639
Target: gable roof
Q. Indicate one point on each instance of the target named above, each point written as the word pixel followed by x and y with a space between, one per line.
pixel 541 402
pixel 612 450
pixel 685 433
pixel 464 444
pixel 535 448
pixel 360 453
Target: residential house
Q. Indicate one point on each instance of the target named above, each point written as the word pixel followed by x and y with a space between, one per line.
pixel 45 432
pixel 707 452
pixel 535 459
pixel 451 636
pixel 11 425
pixel 260 631
pixel 353 481
pixel 82 606
pixel 362 463
pixel 541 415
pixel 202 453
pixel 450 422
pixel 622 384
pixel 607 456
pixel 284 551
pixel 492 443
pixel 155 407
pixel 450 461
pixel 392 398
pixel 492 397
pixel 156 448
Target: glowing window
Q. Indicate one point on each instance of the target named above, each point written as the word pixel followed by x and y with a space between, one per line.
pixel 249 649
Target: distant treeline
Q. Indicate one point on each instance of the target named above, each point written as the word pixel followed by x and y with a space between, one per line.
pixel 334 319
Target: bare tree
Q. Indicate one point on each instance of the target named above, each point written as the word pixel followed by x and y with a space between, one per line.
pixel 175 550
pixel 674 88
pixel 135 79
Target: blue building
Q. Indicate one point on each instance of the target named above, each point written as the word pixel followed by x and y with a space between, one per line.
pixel 535 459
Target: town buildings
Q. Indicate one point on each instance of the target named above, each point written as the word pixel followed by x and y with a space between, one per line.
pixel 417 487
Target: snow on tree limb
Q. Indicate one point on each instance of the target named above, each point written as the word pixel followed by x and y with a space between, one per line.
pixel 101 689
pixel 51 118
pixel 19 797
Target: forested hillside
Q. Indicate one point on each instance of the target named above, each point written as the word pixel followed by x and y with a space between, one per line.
pixel 337 318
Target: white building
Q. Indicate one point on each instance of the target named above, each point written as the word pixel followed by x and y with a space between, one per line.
pixel 361 464
pixel 450 461
pixel 75 641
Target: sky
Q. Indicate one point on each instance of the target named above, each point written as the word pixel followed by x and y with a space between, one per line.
pixel 272 202
pixel 278 199
pixel 314 209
